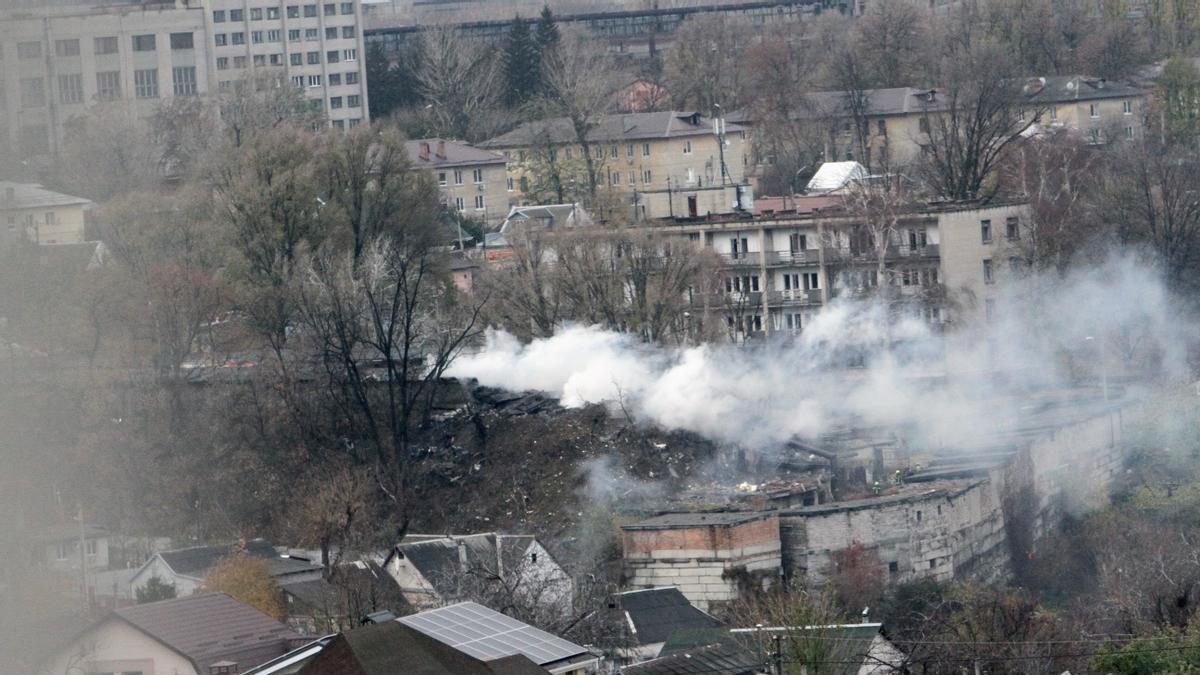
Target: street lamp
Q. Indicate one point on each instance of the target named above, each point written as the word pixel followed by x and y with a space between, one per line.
pixel 1103 365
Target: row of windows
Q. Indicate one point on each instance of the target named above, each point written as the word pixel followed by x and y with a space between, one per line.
pixel 297 59
pixel 1012 230
pixel 461 204
pixel 476 176
pixel 293 12
pixel 105 45
pixel 259 37
pixel 598 151
pixel 108 86
pixel 335 79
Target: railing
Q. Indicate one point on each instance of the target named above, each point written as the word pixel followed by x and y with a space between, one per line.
pixel 742 259
pixel 795 296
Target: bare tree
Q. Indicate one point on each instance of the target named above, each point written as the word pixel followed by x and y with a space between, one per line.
pixel 580 81
pixel 705 65
pixel 977 113
pixel 262 100
pixel 458 78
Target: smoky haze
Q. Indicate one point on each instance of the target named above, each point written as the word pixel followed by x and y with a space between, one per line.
pixel 1108 320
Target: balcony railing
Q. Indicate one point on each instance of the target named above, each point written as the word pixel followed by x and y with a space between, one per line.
pixel 795 297
pixel 742 259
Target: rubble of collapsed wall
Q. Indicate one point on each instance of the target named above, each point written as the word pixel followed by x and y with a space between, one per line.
pixel 980 527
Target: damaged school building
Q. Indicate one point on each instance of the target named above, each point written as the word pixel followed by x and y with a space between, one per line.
pixel 969 511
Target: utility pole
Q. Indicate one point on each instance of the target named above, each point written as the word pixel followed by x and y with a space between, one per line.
pixel 778 654
pixel 83 563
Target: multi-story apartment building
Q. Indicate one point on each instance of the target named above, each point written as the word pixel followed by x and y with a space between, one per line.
pixel 471 181
pixel 661 164
pixel 318 44
pixel 58 58
pixel 942 263
pixel 897 120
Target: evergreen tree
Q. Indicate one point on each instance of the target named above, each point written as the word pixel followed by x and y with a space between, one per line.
pixel 522 64
pixel 547 35
pixel 155 589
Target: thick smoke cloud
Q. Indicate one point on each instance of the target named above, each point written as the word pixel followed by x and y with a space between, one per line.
pixel 940 388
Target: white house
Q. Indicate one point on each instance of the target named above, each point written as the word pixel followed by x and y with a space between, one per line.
pixel 435 570
pixel 187 567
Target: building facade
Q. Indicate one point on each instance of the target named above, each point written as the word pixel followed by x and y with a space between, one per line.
pixel 33 214
pixel 942 263
pixel 647 165
pixel 57 60
pixel 318 44
pixel 471 181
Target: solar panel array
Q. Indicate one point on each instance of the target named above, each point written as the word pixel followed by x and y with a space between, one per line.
pixel 488 635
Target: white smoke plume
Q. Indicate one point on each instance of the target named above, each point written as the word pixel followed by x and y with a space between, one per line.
pixel 1116 316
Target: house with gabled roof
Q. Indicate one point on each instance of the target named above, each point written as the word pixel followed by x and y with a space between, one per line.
pixel 195 635
pixel 516 569
pixel 187 567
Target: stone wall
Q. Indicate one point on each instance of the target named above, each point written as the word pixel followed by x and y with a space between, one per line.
pixel 705 562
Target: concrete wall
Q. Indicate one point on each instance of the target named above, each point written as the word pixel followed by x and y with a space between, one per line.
pixel 943 534
pixel 697 559
pixel 973 528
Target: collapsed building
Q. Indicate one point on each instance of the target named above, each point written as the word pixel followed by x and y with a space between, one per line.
pixel 971 510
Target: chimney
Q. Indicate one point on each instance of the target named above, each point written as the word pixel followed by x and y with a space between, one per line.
pixel 424 154
pixel 441 149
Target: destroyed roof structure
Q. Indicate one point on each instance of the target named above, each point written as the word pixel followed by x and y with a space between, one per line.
pixel 354 591
pixel 835 177
pixel 392 647
pixel 717 659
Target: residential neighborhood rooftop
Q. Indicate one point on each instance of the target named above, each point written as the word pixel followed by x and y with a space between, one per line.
pixel 433 153
pixel 616 127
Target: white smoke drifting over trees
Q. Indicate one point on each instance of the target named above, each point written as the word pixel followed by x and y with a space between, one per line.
pixel 1115 317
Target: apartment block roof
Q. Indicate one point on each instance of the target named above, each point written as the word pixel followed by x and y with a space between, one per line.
pixel 1067 88
pixel 617 127
pixel 434 153
pixel 34 196
pixel 669 521
pixel 211 627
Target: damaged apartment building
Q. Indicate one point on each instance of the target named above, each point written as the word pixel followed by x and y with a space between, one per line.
pixel 968 510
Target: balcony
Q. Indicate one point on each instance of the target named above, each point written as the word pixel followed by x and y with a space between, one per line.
pixel 742 259
pixel 794 297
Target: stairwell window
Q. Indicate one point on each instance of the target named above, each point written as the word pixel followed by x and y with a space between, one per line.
pixel 1127 107
pixel 1094 111
pixel 985 231
pixel 989 276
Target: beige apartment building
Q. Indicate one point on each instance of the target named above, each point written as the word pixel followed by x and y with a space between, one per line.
pixel 59 58
pixel 944 263
pixel 898 119
pixel 656 164
pixel 471 181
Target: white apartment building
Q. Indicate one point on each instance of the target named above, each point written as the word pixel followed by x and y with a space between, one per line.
pixel 319 44
pixel 58 57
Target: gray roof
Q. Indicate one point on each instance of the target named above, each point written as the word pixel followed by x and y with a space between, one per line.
pixel 547 216
pixel 212 627
pixel 673 520
pixel 438 559
pixel 34 196
pixel 1067 88
pixel 196 561
pixel 454 153
pixel 357 588
pixel 391 647
pixel 655 613
pixel 617 127
pixel 487 634
pixel 719 659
